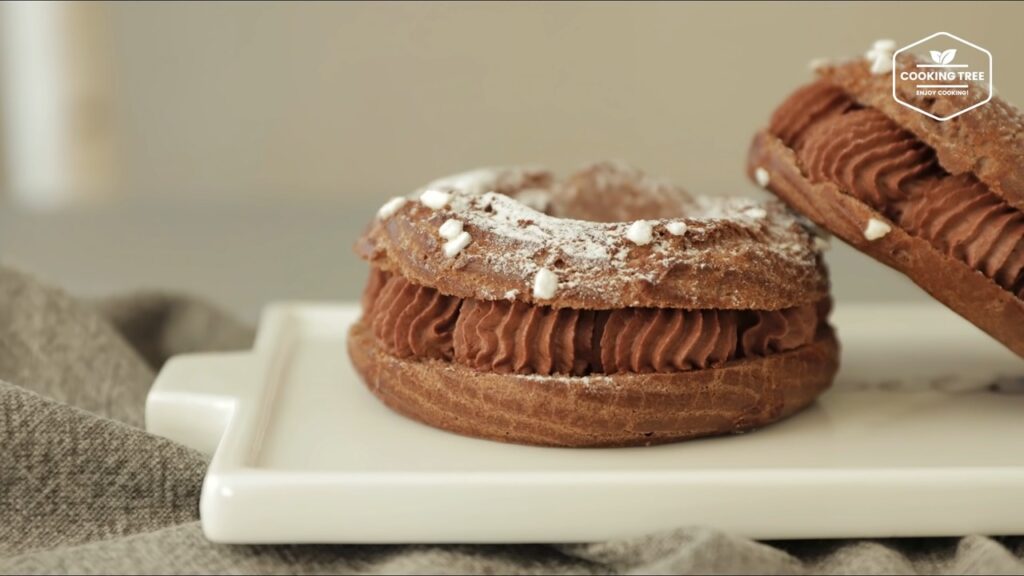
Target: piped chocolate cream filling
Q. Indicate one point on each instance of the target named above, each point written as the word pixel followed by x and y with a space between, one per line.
pixel 870 157
pixel 506 336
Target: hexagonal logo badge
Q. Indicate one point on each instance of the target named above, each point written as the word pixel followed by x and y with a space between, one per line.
pixel 942 76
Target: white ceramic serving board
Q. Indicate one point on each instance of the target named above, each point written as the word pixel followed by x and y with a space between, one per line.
pixel 921 436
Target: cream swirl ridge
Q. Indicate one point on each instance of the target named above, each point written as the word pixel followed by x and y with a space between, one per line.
pixel 807 106
pixel 867 155
pixel 410 320
pixel 509 336
pixel 963 218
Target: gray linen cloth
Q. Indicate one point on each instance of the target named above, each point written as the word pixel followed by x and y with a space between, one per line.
pixel 83 489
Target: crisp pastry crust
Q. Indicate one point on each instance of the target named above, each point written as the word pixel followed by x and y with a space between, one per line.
pixel 734 254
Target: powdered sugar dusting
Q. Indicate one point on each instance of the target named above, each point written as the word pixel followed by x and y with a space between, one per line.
pixel 473 181
pixel 535 198
pixel 599 260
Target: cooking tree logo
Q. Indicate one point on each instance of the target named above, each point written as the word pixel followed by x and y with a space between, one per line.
pixel 955 77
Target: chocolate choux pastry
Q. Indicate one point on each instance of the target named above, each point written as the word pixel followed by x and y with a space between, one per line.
pixel 606 309
pixel 939 201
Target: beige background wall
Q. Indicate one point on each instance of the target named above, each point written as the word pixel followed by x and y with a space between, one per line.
pixel 362 100
pixel 253 141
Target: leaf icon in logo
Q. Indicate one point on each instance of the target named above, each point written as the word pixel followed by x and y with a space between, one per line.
pixel 944 57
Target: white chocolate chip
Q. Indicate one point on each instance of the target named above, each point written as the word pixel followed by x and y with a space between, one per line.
pixel 435 199
pixel 640 232
pixel 876 229
pixel 390 207
pixel 818 63
pixel 882 64
pixel 676 228
pixel 884 45
pixel 545 284
pixel 762 177
pixel 455 245
pixel 755 213
pixel 822 244
pixel 511 294
pixel 450 229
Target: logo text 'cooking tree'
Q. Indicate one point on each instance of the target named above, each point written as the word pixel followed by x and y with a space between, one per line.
pixel 949 76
